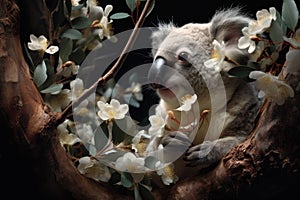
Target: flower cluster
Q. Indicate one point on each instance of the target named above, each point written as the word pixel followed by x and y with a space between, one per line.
pixel 41 44
pixel 264 39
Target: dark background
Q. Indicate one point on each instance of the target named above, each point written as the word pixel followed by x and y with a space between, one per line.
pixel 181 12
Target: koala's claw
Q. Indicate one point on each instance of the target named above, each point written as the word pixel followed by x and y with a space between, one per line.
pixel 200 154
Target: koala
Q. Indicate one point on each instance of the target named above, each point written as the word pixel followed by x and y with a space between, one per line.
pixel 227 106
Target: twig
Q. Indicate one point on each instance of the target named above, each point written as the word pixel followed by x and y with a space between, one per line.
pixel 62 116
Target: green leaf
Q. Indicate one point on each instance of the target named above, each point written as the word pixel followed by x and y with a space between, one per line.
pixel 131 4
pixel 150 8
pixel 115 178
pixel 133 78
pixel 65 49
pixel 77 56
pixel 50 70
pixel 276 35
pixel 72 34
pixel 68 7
pixel 150 162
pixel 241 71
pixel 121 128
pixel 40 74
pixel 129 99
pixel 145 192
pixel 137 195
pixel 290 14
pixel 101 136
pixel 126 179
pixel 81 22
pixel 54 88
pixel 120 15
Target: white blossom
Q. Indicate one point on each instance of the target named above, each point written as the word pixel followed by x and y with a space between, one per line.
pixel 52 49
pixel 112 110
pixel 41 44
pixel 263 22
pixel 218 56
pixel 272 88
pixel 76 87
pixel 75 2
pixel 130 163
pixel 140 142
pixel 187 102
pixel 167 173
pixel 295 40
pixel 103 22
pixel 293 61
pixel 85 133
pixel 93 169
pixel 246 41
pixel 57 102
pixel 65 137
pixel 157 125
pixel 136 90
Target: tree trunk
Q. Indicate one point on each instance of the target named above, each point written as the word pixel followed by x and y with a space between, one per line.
pixel 34 165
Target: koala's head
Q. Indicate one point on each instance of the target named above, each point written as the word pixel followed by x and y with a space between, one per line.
pixel 180 52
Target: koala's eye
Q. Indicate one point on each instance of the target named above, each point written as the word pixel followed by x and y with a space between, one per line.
pixel 183 58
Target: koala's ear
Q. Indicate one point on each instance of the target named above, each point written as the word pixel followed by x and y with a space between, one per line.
pixel 227 25
pixel 160 34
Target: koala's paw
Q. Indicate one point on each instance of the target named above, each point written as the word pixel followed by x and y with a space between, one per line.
pixel 175 139
pixel 203 154
pixel 175 144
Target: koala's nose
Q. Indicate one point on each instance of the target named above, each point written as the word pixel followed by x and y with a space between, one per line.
pixel 157 72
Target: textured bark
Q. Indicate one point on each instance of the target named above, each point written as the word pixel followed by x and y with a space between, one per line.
pixel 266 166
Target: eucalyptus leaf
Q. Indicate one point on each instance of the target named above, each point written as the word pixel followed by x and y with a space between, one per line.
pixel 50 69
pixel 72 34
pixel 77 56
pixel 133 78
pixel 137 195
pixel 131 4
pixel 65 47
pixel 53 89
pixel 115 178
pixel 145 192
pixel 68 7
pixel 150 8
pixel 290 14
pixel 150 162
pixel 119 15
pixel 126 179
pixel 276 35
pixel 101 136
pixel 129 99
pixel 241 71
pixel 40 74
pixel 81 22
pixel 121 128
